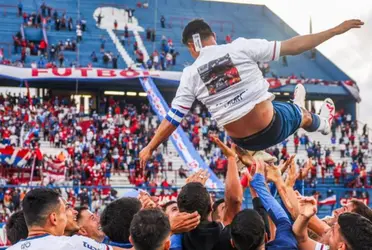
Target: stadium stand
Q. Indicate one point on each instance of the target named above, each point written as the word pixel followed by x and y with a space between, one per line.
pixel 91 158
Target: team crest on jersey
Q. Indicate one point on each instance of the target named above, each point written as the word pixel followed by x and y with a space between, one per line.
pixel 219 74
pixel 25 245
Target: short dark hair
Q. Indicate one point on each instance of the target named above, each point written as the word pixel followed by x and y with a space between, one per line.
pixel 362 209
pixel 79 210
pixel 16 227
pixel 194 197
pixel 216 204
pixel 166 205
pixel 247 230
pixel 196 26
pixel 117 216
pixel 149 229
pixel 356 230
pixel 38 203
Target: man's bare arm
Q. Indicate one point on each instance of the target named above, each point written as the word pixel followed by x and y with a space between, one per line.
pixel 300 44
pixel 162 133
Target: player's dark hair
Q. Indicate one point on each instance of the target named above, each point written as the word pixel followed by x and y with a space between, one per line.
pixel 149 229
pixel 247 230
pixel 196 26
pixel 356 230
pixel 166 205
pixel 79 211
pixel 362 209
pixel 194 197
pixel 116 218
pixel 16 227
pixel 38 204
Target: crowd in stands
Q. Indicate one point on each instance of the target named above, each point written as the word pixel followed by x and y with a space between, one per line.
pixel 196 220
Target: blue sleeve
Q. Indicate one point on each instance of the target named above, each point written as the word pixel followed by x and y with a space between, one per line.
pixel 284 235
pixel 176 242
pixel 268 201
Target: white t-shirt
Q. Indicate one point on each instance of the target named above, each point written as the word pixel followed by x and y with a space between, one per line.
pixel 227 79
pixel 320 246
pixel 47 242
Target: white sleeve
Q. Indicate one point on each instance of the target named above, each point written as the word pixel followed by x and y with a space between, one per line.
pixel 260 50
pixel 320 246
pixel 184 98
pixel 83 243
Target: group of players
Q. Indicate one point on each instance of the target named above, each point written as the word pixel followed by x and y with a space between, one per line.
pixel 194 221
pixel 253 122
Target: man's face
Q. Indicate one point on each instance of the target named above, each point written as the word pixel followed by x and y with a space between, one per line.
pixel 72 226
pixel 348 208
pixel 90 226
pixel 60 218
pixel 171 210
pixel 336 241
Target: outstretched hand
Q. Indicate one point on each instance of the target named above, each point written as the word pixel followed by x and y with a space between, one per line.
pixel 200 176
pixel 144 156
pixel 228 152
pixel 307 206
pixel 348 25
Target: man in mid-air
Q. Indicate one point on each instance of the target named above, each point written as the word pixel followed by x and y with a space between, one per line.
pixel 226 78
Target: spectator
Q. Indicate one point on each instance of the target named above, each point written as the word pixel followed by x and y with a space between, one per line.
pixel 228 38
pixel 20 8
pixel 153 35
pixel 126 31
pixel 83 24
pixel 93 57
pixel 43 8
pixel 79 35
pixel 61 59
pixel 130 13
pixel 114 62
pixel 70 24
pixel 99 19
pixel 115 25
pixel 57 24
pixel 162 22
pixel 103 41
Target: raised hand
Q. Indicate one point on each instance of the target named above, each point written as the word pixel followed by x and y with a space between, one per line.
pixel 244 156
pixel 146 200
pixel 307 206
pixel 144 156
pixel 292 174
pixel 228 152
pixel 184 222
pixel 273 173
pixel 348 25
pixel 200 176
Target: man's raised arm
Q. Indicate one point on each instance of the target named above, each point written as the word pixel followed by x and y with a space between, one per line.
pixel 165 129
pixel 300 44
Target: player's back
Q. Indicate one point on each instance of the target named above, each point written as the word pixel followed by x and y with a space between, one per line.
pixel 227 79
pixel 50 242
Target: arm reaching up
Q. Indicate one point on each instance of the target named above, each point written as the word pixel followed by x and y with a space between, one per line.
pixel 165 129
pixel 234 190
pixel 300 44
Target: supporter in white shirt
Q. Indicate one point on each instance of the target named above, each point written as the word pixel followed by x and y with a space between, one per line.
pixel 46 219
pixel 227 79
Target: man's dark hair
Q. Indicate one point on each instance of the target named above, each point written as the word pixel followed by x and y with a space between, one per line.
pixel 116 218
pixel 216 204
pixel 196 26
pixel 362 209
pixel 149 229
pixel 16 228
pixel 247 230
pixel 356 230
pixel 79 211
pixel 166 205
pixel 194 197
pixel 38 204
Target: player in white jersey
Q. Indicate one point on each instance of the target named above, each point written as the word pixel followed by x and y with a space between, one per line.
pixel 351 231
pixel 45 214
pixel 227 79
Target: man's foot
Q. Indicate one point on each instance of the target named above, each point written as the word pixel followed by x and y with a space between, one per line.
pixel 299 95
pixel 327 114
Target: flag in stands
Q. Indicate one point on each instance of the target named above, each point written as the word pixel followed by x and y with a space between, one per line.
pixel 55 170
pixel 15 156
pixel 328 201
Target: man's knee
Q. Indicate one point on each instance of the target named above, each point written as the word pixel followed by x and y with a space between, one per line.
pixel 306 119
